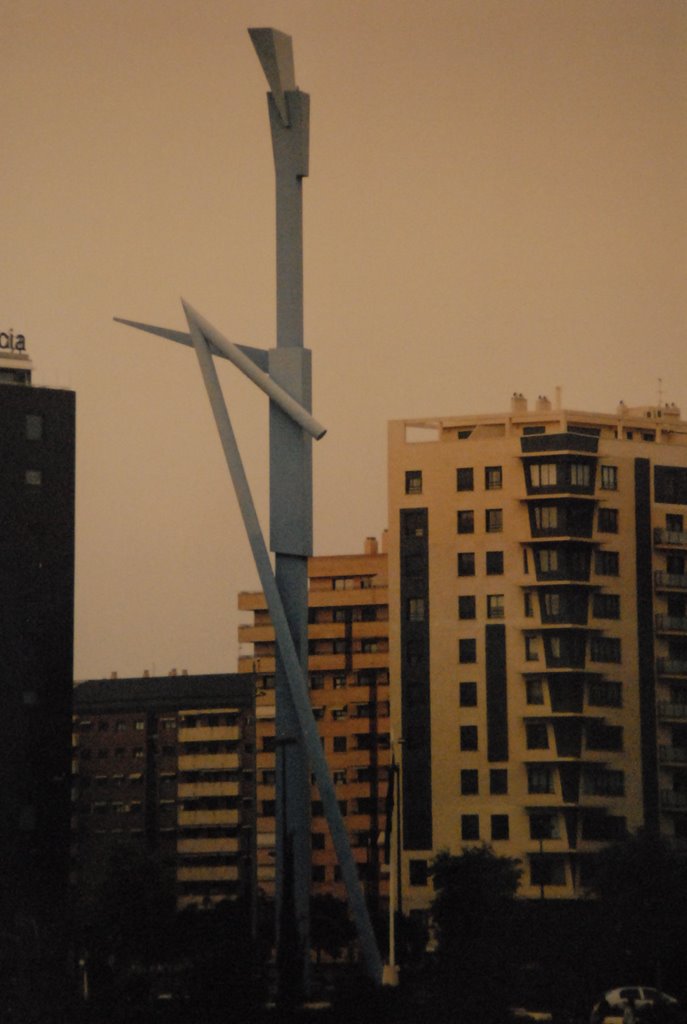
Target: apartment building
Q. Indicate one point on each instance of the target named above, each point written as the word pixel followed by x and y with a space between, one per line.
pixel 168 762
pixel 538 633
pixel 349 687
pixel 37 457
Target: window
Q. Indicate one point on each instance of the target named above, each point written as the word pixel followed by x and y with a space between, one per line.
pixel 674 523
pixel 414 523
pixel 608 520
pixel 469 782
pixel 494 563
pixel 603 782
pixel 548 560
pixel 317 840
pixel 494 520
pixel 495 606
pixel 499 826
pixel 534 689
pixel 416 609
pixel 466 521
pixel 493 478
pixel 414 481
pixel 469 826
pixel 466 607
pixel 418 872
pixel 498 781
pixel 539 779
pixel 268 808
pixel 544 826
pixel 531 651
pixel 537 736
pixel 605 648
pixel 607 563
pixel 466 563
pixel 317 809
pixel 468 737
pixel 33 477
pixel 543 474
pixel 580 474
pixel 546 518
pixel 467 652
pixel 606 606
pixel 601 736
pixel 318 872
pixel 34 427
pixel 605 694
pixel 528 604
pixel 465 479
pixel 552 605
pixel 468 695
pixel 609 478
pixel 340 744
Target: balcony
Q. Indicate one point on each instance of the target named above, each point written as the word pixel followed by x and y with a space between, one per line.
pixel 674 712
pixel 672 755
pixel 671 624
pixel 670 538
pixel 671 667
pixel 670 581
pixel 673 800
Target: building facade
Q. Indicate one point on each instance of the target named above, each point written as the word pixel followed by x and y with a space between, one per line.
pixel 168 762
pixel 37 458
pixel 538 613
pixel 349 687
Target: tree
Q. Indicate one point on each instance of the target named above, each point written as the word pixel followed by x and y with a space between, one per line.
pixel 330 926
pixel 472 914
pixel 642 887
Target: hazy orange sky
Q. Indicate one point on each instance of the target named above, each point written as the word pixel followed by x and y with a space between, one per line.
pixel 497 202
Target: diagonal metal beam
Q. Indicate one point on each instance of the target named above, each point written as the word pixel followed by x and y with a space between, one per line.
pixel 297 684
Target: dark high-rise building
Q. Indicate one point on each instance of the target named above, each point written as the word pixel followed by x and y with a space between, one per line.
pixel 37 449
pixel 168 764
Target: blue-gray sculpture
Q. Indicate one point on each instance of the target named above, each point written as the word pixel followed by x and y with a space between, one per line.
pixel 284 373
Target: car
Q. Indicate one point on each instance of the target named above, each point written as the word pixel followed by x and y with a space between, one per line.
pixel 612 1003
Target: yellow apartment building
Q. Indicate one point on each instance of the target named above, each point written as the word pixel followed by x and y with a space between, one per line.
pixel 538 635
pixel 348 662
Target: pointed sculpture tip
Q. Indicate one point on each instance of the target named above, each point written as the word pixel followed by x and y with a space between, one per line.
pixel 275 53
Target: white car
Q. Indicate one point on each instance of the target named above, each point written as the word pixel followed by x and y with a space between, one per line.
pixel 613 1002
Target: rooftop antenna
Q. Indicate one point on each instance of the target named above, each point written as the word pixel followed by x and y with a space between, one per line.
pixel 284 374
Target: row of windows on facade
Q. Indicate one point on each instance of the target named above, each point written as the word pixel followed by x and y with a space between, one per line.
pixel 598 735
pixel 339 744
pixel 541 475
pixel 320 680
pixel 183 749
pixel 323 873
pixel 167 780
pixel 600 693
pixel 200 721
pixel 340 776
pixel 570 649
pixel 359 805
pixel 568 562
pixel 364 613
pixel 546 519
pixel 555 606
pixel 370 709
pixel 345 645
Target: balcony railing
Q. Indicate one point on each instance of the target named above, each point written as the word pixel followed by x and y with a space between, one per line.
pixel 672 800
pixel 671 624
pixel 672 755
pixel 666 710
pixel 670 538
pixel 670 581
pixel 671 667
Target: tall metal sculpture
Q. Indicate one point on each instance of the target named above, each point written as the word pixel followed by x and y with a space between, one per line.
pixel 284 374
